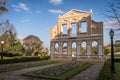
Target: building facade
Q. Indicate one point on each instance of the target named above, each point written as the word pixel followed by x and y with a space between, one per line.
pixel 74 28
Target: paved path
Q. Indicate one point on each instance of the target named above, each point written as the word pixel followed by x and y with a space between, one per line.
pixel 17 75
pixel 89 74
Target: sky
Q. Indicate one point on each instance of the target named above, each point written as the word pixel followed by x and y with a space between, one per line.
pixel 36 17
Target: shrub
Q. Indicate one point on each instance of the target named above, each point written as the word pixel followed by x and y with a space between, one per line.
pixel 117 59
pixel 106 50
pixel 23 59
pixel 7 54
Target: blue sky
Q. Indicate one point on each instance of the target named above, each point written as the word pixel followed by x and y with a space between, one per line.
pixel 36 17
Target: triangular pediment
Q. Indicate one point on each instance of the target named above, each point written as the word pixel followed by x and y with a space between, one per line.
pixel 73 12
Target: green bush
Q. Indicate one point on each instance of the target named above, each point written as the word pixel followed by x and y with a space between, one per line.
pixel 117 59
pixel 7 54
pixel 105 73
pixel 115 55
pixel 23 59
pixel 106 50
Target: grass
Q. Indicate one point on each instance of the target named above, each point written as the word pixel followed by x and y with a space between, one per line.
pixel 117 73
pixel 17 67
pixel 63 76
pixel 105 73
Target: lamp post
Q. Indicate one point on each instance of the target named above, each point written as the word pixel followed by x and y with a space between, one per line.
pixel 112 51
pixel 2 42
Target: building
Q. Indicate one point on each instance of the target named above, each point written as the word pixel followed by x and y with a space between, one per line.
pixel 75 26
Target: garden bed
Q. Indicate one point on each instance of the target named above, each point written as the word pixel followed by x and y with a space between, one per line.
pixel 60 72
pixel 17 66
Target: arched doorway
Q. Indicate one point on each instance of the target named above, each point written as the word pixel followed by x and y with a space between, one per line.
pixel 64 51
pixel 83 48
pixel 56 48
pixel 74 49
pixel 94 48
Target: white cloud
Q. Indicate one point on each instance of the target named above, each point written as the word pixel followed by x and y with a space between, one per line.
pixel 56 11
pixel 38 11
pixel 21 6
pixel 19 37
pixel 111 24
pixel 55 2
pixel 25 20
pixel 17 10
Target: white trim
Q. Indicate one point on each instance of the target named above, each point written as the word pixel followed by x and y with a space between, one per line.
pixel 74 10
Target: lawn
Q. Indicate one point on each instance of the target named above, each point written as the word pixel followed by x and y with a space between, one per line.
pixel 105 73
pixel 117 71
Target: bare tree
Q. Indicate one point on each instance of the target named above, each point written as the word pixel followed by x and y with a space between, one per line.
pixel 3 6
pixel 113 10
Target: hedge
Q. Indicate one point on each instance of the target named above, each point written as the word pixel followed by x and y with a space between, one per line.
pixel 24 59
pixel 6 54
pixel 117 59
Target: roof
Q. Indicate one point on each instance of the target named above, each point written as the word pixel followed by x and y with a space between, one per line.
pixel 75 10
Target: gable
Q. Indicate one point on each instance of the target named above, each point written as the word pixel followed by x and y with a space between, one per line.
pixel 73 12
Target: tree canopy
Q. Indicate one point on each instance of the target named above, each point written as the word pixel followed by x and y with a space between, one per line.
pixel 32 44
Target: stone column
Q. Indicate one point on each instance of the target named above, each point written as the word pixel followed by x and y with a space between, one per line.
pixel 69 49
pixel 78 29
pixel 88 50
pixel 78 50
pixel 60 49
pixel 100 50
pixel 69 28
pixel 52 49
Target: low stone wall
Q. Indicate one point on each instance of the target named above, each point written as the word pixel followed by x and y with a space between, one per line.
pixel 90 59
pixel 77 59
pixel 61 58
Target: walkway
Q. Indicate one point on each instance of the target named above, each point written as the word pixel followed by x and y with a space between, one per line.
pixel 89 74
pixel 17 75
